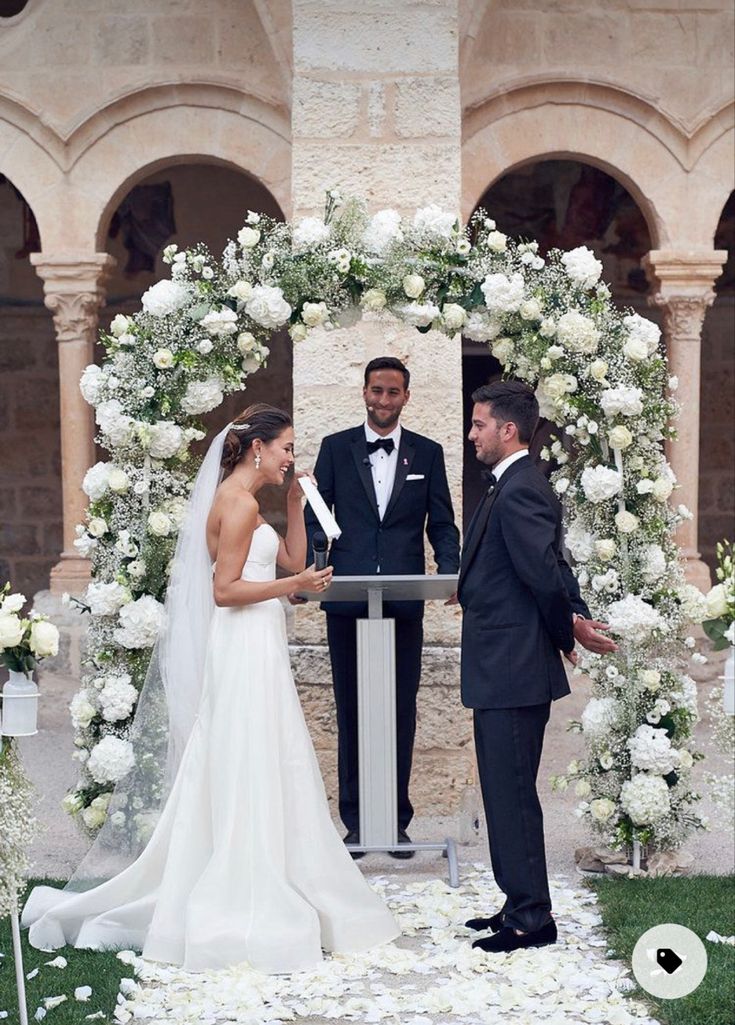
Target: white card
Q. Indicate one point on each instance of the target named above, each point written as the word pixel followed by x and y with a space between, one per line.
pixel 319 507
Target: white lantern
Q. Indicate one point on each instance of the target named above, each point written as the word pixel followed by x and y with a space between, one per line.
pixel 20 706
pixel 728 696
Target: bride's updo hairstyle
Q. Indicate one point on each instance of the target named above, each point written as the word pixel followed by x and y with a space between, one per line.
pixel 258 421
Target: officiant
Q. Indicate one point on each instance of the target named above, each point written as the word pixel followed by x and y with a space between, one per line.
pixel 387 487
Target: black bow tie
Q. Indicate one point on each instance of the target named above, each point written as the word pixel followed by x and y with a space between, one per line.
pixel 387 443
pixel 490 479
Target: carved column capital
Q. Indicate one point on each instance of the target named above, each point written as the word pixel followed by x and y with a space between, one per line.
pixel 74 290
pixel 683 315
pixel 682 281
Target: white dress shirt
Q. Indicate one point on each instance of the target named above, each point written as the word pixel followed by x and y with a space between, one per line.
pixel 500 468
pixel 383 466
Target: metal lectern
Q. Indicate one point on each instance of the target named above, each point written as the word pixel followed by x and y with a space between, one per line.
pixel 376 685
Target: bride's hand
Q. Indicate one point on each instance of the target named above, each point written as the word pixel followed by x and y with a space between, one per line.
pixel 313 579
pixel 294 492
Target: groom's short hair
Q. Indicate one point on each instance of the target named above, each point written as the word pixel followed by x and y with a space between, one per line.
pixel 511 401
pixel 387 363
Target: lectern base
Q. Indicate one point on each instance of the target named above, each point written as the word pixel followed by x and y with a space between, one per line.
pixel 448 849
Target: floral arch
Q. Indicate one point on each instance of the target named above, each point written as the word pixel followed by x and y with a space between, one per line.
pixel 599 373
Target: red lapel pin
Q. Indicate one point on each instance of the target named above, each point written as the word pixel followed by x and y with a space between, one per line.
pixel 405 462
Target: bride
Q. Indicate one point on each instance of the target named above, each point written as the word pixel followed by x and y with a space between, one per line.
pixel 244 863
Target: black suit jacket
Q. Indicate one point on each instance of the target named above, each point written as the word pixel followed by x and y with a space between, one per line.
pixel 395 544
pixel 518 596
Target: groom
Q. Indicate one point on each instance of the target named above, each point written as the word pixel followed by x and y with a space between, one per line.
pixel 386 486
pixel 515 590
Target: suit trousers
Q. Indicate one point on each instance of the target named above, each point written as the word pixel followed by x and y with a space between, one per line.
pixel 508 744
pixel 342 638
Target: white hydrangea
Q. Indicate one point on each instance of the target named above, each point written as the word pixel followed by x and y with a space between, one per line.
pixel 96 481
pixel 140 623
pixel 166 438
pixel 90 383
pixel 113 422
pixel 110 760
pixel 601 483
pixel 693 603
pixel 220 322
pixel 685 696
pixel 433 223
pixel 267 307
pixel 418 314
pixel 645 798
pixel 82 709
pixel 625 400
pixel 634 619
pixel 577 332
pixel 653 563
pixel 106 599
pixel 502 349
pixel 583 268
pixel 502 294
pixel 651 750
pixel 117 698
pixel 599 716
pixel 643 337
pixel 308 233
pixel 580 542
pixel 165 297
pixel 383 228
pixel 480 327
pixel 201 396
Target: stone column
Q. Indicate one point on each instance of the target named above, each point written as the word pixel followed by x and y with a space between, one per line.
pixel 73 291
pixel 376 112
pixel 683 281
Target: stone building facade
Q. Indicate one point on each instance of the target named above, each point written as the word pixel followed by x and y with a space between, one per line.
pixel 123 128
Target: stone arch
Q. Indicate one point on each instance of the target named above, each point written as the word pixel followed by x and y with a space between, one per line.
pixel 712 174
pixel 613 129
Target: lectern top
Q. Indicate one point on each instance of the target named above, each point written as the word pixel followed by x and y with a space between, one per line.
pixel 434 587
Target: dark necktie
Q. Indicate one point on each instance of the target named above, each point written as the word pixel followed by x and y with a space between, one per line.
pixel 387 443
pixel 490 479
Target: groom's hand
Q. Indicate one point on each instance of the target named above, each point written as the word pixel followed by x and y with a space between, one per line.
pixel 586 633
pixel 572 657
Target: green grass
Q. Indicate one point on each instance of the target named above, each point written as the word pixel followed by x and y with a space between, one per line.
pixel 701 903
pixel 100 970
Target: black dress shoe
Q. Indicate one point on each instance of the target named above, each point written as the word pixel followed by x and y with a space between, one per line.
pixel 354 837
pixel 495 922
pixel 508 939
pixel 403 837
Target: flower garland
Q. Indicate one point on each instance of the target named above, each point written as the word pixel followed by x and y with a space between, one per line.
pixel 600 376
pixel 17 826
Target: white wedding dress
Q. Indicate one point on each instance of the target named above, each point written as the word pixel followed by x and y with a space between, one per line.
pixel 245 863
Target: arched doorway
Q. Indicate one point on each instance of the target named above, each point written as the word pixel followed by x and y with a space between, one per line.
pixel 186 204
pixel 30 495
pixel 559 204
pixel 716 443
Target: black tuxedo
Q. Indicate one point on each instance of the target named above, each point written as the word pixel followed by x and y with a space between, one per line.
pixel 518 596
pixel 393 545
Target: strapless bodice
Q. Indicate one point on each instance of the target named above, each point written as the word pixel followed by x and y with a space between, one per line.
pixel 261 561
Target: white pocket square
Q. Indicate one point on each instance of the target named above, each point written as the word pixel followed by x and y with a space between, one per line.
pixel 414 476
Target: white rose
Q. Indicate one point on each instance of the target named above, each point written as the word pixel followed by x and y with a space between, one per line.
pixel 241 290
pixel 651 679
pixel 662 488
pixel 620 438
pixel 597 370
pixel 205 346
pixel 561 485
pixel 110 760
pixel 547 329
pixel 583 268
pixel 267 307
pixel 97 526
pixel 120 325
pixel 12 603
pixel 248 237
pixel 96 481
pixel 298 332
pixel 246 342
pixel 643 337
pixel 202 396
pixel 413 285
pixel 453 317
pixel 314 314
pixel 601 809
pixel 164 297
pixel 583 789
pixel 716 602
pixel 163 359
pixel 605 549
pixel 685 759
pixel 159 523
pixel 373 299
pixel 11 630
pixel 530 310
pixel 118 480
pixel 82 710
pixel 606 760
pixel 496 241
pixel 635 349
pixel 626 522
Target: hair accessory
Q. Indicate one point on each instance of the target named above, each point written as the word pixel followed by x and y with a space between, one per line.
pixel 239 427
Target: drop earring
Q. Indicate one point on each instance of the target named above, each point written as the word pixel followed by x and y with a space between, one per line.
pixel 257 460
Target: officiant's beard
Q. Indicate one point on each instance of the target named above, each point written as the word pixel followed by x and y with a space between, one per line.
pixel 381 420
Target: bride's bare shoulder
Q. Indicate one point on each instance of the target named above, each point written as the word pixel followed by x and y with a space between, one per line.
pixel 232 501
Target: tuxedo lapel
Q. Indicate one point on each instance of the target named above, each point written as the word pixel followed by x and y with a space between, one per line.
pixel 362 463
pixel 406 452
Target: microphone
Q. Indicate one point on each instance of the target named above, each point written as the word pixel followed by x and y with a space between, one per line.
pixel 319 547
